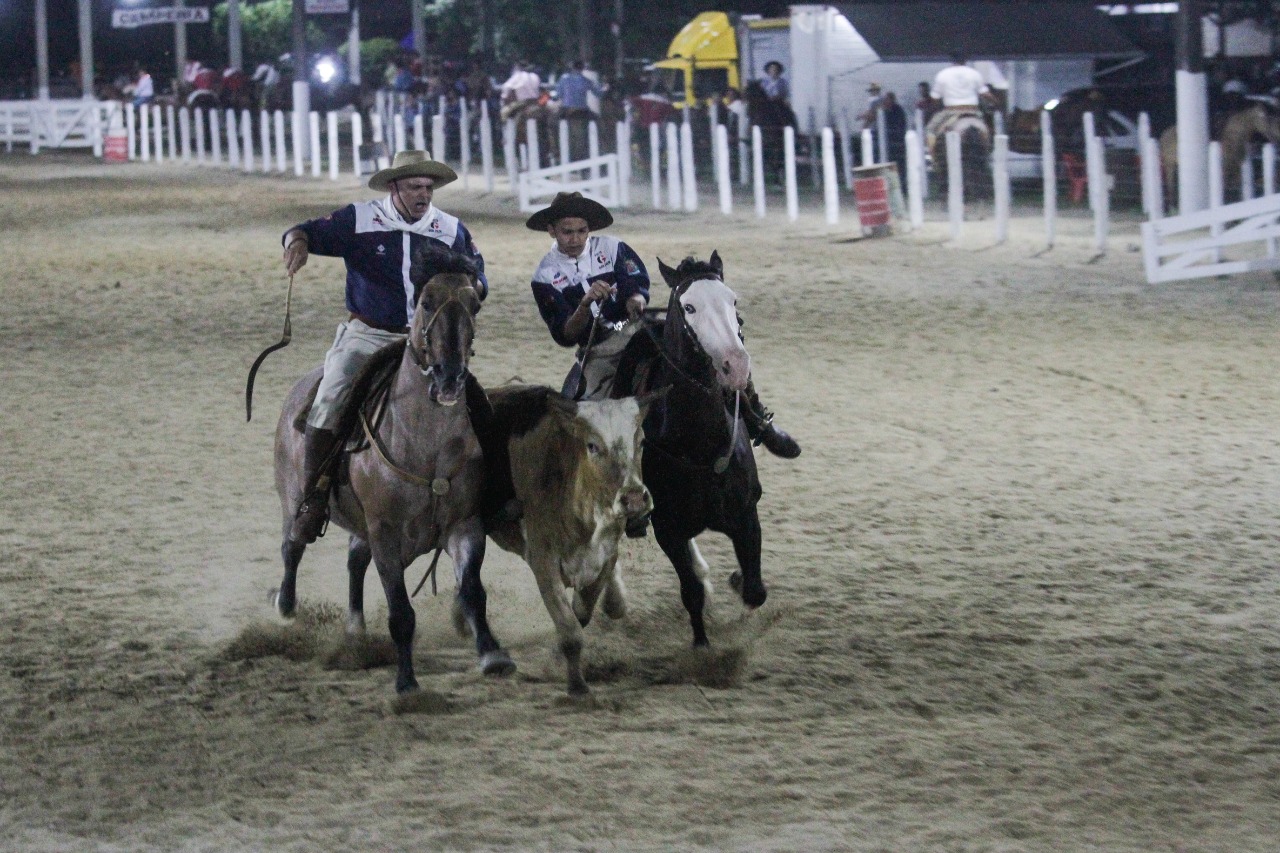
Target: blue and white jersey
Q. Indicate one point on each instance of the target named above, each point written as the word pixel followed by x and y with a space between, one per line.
pixel 560 282
pixel 377 251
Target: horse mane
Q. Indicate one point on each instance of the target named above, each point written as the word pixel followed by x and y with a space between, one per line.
pixel 691 268
pixel 431 261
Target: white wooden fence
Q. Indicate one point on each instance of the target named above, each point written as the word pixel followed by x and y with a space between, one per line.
pixel 595 177
pixel 55 123
pixel 1192 245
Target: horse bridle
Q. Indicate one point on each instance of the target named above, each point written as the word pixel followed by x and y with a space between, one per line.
pixel 722 462
pixel 417 357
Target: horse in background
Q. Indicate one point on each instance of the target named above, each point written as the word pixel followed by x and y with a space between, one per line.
pixel 698 463
pixel 414 485
pixel 1237 135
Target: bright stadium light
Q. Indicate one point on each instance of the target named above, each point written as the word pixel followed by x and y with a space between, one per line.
pixel 1051 104
pixel 326 70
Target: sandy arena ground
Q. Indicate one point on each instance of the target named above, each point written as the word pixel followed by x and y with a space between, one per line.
pixel 1023 581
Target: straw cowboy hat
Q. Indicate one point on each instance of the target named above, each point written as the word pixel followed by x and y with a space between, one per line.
pixel 412 164
pixel 571 204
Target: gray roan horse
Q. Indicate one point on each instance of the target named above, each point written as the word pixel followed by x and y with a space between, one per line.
pixel 415 487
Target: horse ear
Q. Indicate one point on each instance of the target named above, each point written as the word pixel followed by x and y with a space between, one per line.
pixel 716 263
pixel 668 274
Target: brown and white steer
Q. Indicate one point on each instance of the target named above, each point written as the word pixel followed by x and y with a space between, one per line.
pixel 574 469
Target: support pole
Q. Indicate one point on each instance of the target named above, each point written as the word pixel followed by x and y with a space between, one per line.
pixel 757 169
pixel 331 122
pixel 789 166
pixel 674 196
pixel 830 183
pixel 655 164
pixel 915 179
pixel 1049 172
pixel 722 170
pixel 687 175
pixel 955 185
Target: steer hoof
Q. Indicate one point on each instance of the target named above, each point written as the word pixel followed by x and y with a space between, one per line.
pixel 497 663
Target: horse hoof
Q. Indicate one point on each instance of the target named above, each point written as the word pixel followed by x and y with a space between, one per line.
pixel 273 598
pixel 498 664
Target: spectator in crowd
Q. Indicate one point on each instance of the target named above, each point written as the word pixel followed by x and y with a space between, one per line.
pixel 775 86
pixel 895 131
pixel 520 90
pixel 144 91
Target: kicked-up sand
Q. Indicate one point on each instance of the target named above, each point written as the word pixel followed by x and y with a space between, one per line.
pixel 1023 580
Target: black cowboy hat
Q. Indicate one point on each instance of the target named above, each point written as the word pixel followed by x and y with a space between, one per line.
pixel 571 204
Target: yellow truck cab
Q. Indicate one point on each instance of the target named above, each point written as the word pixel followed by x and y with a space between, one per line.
pixel 702 60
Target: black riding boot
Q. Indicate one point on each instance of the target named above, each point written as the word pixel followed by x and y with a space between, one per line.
pixel 761 429
pixel 313 513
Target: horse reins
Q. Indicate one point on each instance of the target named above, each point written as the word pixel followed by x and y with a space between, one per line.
pixel 721 463
pixel 284 342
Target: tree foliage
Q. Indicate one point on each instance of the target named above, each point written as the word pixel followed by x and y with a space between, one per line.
pixel 266 29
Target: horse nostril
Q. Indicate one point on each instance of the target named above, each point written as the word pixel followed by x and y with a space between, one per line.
pixel 724 368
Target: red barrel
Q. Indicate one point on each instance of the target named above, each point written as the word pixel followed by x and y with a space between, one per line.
pixel 872 198
pixel 116 149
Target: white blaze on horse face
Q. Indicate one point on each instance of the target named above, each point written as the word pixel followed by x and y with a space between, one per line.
pixel 710 310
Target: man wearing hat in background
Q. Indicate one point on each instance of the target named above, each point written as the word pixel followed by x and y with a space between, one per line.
pixel 590 291
pixel 375 239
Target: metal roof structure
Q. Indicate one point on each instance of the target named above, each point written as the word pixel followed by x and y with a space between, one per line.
pixel 932 30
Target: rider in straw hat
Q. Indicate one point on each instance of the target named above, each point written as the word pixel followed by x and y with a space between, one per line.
pixel 375 239
pixel 590 289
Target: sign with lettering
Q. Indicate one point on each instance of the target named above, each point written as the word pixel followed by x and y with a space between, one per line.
pixel 328 7
pixel 128 19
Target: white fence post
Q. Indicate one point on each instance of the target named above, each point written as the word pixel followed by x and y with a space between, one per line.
pixel 1101 196
pixel 171 122
pixel 593 147
pixel 1000 168
pixel 509 155
pixel 1269 184
pixel 830 184
pixel 144 134
pixel 674 196
pixel 846 149
pixel 184 130
pixel 622 135
pixel 282 150
pixel 313 122
pixel 233 140
pixel 401 141
pixel 688 177
pixel 915 178
pixel 131 128
pixel 439 144
pixel 357 142
pixel 200 115
pixel 464 142
pixel 564 141
pixel 1216 186
pixel 757 169
pixel 789 167
pixel 655 164
pixel 722 169
pixel 1049 172
pixel 264 137
pixel 1090 166
pixel 531 143
pixel 246 140
pixel 1152 183
pixel 486 147
pixel 157 128
pixel 955 184
pixel 868 148
pixel 1144 136
pixel 419 133
pixel 215 137
pixel 298 126
pixel 331 122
